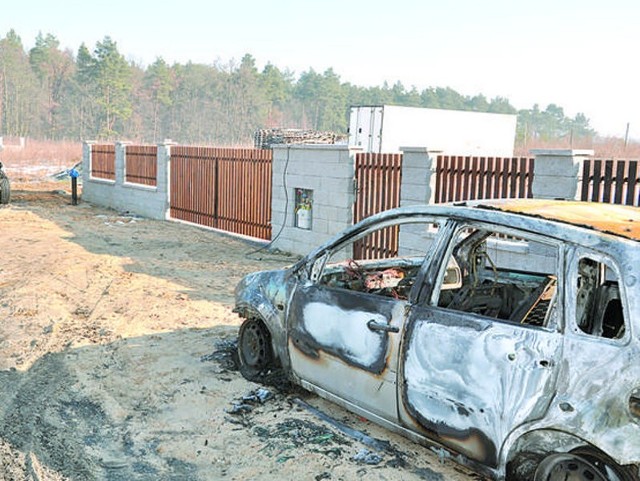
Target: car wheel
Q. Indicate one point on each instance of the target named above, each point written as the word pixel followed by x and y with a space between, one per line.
pixel 581 465
pixel 608 466
pixel 254 350
pixel 5 191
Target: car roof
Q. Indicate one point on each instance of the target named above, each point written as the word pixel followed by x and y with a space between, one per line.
pixel 620 220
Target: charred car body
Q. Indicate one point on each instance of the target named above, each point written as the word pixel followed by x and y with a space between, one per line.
pixel 505 332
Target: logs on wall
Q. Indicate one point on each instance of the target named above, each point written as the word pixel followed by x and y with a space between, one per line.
pixel 267 138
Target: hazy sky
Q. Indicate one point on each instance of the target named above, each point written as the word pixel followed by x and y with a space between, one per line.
pixel 579 54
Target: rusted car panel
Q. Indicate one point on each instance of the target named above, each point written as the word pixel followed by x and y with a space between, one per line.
pixel 505 332
pixel 610 218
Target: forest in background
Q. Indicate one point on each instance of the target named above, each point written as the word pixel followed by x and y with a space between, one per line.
pixel 51 93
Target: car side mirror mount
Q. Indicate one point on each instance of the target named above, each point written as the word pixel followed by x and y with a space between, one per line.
pixel 452 276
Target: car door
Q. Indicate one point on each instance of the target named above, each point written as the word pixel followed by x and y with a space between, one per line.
pixel 346 343
pixel 479 361
pixel 344 327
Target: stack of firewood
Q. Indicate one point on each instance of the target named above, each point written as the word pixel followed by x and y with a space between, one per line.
pixel 267 138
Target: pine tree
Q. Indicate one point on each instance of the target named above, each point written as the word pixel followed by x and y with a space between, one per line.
pixel 54 70
pixel 159 83
pixel 18 88
pixel 112 77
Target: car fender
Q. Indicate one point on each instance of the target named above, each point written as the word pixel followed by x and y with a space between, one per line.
pixel 263 295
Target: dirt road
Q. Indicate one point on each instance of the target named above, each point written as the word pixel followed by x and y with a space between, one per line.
pixel 116 336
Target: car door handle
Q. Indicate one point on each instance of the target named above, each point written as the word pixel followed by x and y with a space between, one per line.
pixel 378 326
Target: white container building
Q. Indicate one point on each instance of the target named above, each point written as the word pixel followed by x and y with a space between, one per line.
pixel 387 128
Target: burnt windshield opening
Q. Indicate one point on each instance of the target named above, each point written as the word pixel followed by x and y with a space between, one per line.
pixel 384 262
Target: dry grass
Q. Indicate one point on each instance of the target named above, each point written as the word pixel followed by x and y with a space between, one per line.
pixel 614 148
pixel 38 159
pixel 603 147
pixel 37 152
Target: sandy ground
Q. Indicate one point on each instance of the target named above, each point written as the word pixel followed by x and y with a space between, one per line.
pixel 116 341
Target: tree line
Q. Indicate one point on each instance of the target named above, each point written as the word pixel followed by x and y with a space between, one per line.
pixel 48 92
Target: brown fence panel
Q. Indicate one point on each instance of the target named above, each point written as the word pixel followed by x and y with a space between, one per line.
pixel 193 185
pixel 244 191
pixel 461 178
pixel 611 181
pixel 103 161
pixel 229 189
pixel 378 179
pixel 141 164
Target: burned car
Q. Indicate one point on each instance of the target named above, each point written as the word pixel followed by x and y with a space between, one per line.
pixel 505 333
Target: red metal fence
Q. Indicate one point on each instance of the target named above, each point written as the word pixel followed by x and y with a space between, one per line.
pixel 141 164
pixel 378 178
pixel 469 178
pixel 611 181
pixel 228 189
pixel 103 161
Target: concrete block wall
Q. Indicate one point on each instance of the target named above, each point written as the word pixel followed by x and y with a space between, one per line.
pixel 143 200
pixel 417 188
pixel 327 170
pixel 557 173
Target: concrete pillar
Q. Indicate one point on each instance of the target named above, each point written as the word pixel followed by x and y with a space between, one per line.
pixel 558 173
pixel 164 174
pixel 418 185
pixel 86 160
pixel 120 163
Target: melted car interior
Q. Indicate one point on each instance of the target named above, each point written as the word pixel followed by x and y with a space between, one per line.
pixel 503 277
pixel 385 278
pixel 487 273
pixel 512 278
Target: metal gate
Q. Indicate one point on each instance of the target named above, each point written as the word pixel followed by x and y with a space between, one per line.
pixel 228 189
pixel 378 178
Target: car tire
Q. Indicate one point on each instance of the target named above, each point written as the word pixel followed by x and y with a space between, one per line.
pixel 5 191
pixel 582 464
pixel 255 353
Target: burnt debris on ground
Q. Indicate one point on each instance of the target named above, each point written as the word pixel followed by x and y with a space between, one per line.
pixel 225 354
pixel 280 440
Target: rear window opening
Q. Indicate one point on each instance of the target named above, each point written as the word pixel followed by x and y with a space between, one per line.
pixel 599 309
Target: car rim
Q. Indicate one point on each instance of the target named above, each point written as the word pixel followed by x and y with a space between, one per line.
pixel 254 345
pixel 568 467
